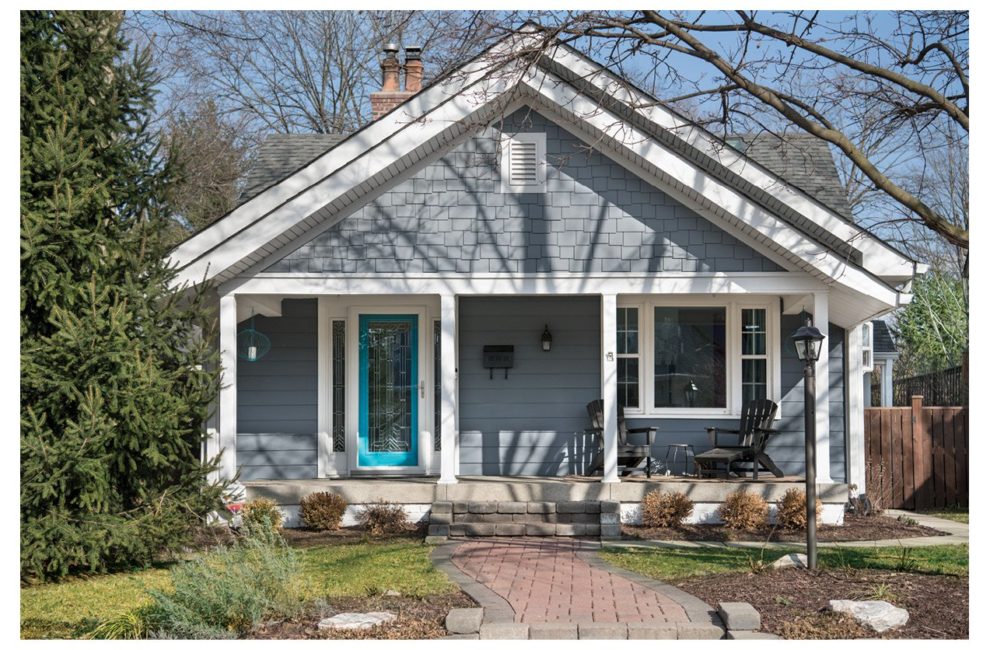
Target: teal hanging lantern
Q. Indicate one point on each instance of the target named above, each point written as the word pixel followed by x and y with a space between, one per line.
pixel 252 345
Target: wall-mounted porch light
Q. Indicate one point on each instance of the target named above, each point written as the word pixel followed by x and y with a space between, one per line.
pixel 546 340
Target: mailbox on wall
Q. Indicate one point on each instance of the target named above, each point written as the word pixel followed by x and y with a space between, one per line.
pixel 497 356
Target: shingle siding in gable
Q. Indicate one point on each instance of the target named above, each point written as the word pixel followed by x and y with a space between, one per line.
pixel 595 216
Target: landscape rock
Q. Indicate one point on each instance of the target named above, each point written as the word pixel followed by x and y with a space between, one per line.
pixel 392 592
pixel 356 620
pixel 791 561
pixel 878 615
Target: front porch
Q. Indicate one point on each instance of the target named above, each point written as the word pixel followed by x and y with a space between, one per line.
pixel 418 494
pixel 302 412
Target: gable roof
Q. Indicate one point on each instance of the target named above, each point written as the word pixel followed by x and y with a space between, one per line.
pixel 801 159
pixel 723 185
pixel 883 338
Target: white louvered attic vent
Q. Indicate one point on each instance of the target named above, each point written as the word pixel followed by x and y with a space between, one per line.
pixel 524 162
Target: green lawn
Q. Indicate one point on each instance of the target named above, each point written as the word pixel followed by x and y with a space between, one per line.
pixel 674 563
pixel 957 513
pixel 73 608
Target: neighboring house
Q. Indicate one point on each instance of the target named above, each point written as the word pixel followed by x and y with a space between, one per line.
pixel 881 380
pixel 621 252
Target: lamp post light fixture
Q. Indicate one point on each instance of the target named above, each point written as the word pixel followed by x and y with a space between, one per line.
pixel 546 340
pixel 808 342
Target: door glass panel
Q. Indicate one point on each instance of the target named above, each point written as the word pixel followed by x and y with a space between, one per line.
pixel 390 385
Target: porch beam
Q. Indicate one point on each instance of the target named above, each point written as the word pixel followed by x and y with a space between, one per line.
pixel 855 426
pixel 822 458
pixel 448 389
pixel 768 283
pixel 610 397
pixel 228 387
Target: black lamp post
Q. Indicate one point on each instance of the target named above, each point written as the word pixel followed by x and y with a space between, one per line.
pixel 808 341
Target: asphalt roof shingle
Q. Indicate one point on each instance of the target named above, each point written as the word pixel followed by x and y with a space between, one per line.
pixel 279 155
pixel 802 159
pixel 883 338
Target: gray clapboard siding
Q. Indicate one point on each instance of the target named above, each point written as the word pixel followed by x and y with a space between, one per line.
pixel 277 398
pixel 594 216
pixel 534 422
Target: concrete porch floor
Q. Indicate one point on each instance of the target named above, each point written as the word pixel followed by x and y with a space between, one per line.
pixel 426 490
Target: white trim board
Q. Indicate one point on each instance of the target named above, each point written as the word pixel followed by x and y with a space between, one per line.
pixel 878 258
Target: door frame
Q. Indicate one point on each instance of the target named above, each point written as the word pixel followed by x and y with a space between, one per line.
pixel 416 392
pixel 424 429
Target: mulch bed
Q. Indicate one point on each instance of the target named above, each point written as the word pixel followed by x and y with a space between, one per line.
pixel 793 602
pixel 305 538
pixel 856 528
pixel 417 618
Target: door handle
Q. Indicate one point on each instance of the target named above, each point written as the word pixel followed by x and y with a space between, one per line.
pixel 422 389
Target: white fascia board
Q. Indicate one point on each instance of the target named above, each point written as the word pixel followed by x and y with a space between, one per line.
pixel 308 284
pixel 877 257
pixel 422 107
pixel 643 146
pixel 371 162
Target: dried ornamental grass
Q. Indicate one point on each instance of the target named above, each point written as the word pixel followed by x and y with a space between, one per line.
pixel 666 509
pixel 792 510
pixel 744 511
pixel 322 510
pixel 383 518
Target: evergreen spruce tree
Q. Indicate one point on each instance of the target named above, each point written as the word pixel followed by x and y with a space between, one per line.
pixel 114 386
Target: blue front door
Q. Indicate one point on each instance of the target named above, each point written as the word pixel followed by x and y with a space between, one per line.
pixel 388 428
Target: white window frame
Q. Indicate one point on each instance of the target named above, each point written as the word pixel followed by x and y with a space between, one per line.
pixel 733 351
pixel 639 355
pixel 540 140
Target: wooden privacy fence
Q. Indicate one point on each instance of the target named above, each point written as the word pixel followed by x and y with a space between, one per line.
pixel 917 457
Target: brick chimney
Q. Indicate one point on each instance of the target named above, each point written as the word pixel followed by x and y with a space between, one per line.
pixel 390 95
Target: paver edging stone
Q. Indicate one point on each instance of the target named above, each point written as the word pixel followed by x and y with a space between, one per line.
pixel 497 609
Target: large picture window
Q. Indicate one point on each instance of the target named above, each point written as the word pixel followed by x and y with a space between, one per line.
pixel 689 357
pixel 695 359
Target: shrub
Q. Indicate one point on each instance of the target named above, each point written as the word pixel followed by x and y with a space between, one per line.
pixel 383 518
pixel 792 511
pixel 227 591
pixel 322 510
pixel 666 509
pixel 744 510
pixel 261 512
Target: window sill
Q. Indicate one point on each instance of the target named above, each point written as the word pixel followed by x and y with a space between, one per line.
pixel 687 414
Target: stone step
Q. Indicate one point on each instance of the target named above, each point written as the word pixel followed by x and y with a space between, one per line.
pixel 524 518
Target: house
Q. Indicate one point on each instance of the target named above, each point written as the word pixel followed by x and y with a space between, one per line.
pixel 879 388
pixel 446 289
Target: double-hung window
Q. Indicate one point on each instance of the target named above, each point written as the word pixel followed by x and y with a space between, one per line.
pixel 695 357
pixel 627 357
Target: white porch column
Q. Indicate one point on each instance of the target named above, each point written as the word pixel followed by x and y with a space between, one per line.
pixel 855 402
pixel 449 443
pixel 610 396
pixel 228 386
pixel 823 469
pixel 887 398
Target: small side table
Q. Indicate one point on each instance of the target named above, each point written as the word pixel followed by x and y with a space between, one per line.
pixel 679 452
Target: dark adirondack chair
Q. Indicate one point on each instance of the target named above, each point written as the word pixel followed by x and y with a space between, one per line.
pixel 753 435
pixel 631 455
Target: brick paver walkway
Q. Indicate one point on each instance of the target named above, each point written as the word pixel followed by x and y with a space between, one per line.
pixel 547 581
